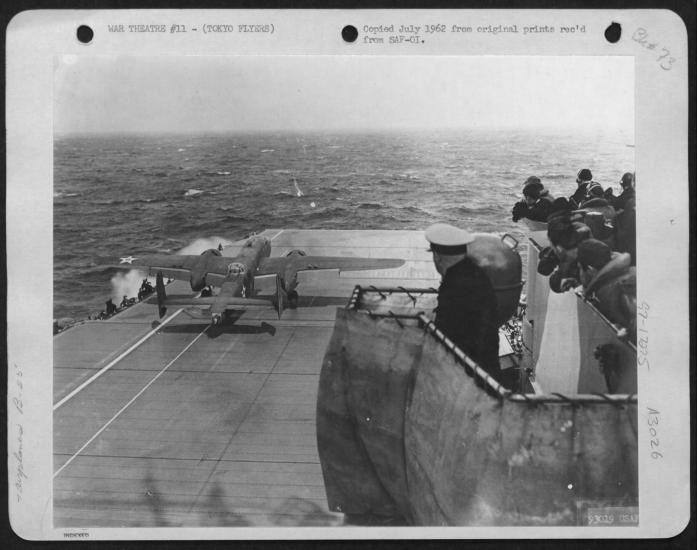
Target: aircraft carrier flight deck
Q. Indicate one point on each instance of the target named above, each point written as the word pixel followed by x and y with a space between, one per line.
pixel 181 423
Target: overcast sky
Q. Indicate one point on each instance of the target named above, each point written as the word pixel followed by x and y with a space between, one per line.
pixel 221 94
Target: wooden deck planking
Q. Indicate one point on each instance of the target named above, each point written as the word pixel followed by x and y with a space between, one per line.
pixel 91 351
pixel 176 397
pixel 79 418
pixel 136 468
pixel 78 354
pixel 211 511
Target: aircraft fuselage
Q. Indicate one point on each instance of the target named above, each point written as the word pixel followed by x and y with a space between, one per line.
pixel 239 270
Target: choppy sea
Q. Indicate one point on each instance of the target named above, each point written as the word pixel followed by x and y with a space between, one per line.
pixel 142 194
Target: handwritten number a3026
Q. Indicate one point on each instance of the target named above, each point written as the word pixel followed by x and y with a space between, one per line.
pixel 652 422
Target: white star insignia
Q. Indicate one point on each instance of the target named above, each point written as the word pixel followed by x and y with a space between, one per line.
pixel 127 260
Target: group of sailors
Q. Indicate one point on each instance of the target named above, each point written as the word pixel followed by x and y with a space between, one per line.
pixel 592 234
pixel 111 308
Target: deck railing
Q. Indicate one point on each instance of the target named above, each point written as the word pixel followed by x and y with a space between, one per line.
pixel 356 303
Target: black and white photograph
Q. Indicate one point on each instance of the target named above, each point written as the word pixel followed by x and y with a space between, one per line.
pixel 361 292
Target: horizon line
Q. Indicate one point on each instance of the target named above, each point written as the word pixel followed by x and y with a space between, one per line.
pixel 297 131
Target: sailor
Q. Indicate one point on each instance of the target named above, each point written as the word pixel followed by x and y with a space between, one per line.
pixel 599 214
pixel 595 196
pixel 536 201
pixel 563 208
pixel 608 277
pixel 466 311
pixel 145 289
pixel 565 234
pixel 592 255
pixel 124 302
pixel 583 180
pixel 625 229
pixel 110 307
pixel 628 192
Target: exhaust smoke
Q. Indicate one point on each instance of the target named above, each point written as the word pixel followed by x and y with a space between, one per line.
pixel 206 243
pixel 127 284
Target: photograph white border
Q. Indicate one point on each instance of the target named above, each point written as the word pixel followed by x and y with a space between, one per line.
pixel 661 100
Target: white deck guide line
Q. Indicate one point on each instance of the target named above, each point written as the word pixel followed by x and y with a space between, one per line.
pixel 277 234
pixel 112 363
pixel 136 396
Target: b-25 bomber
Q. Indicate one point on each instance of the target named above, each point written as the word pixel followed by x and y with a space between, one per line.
pixel 235 275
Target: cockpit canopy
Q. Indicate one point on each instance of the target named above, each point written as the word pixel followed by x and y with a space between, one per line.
pixel 236 268
pixel 211 251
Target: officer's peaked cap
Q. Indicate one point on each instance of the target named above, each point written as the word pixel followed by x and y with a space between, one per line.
pixel 447 239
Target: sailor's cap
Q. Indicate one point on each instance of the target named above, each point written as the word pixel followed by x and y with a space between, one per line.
pixel 446 239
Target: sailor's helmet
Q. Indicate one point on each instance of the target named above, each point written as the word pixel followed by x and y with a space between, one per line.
pixel 584 175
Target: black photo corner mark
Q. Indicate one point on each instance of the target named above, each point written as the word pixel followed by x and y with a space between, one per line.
pixel 85 34
pixel 349 33
pixel 613 32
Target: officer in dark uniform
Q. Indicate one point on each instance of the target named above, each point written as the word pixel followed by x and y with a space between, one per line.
pixel 466 311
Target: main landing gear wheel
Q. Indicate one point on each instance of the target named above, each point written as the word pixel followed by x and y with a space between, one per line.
pixel 293 299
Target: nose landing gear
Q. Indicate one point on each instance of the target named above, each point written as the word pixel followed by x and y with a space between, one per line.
pixel 293 299
pixel 207 292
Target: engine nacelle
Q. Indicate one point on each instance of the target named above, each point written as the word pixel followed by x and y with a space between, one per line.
pixel 197 282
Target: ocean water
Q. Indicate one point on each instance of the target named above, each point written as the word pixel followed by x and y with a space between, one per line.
pixel 142 194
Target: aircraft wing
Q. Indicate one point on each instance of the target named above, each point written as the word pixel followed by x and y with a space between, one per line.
pixel 226 299
pixel 289 265
pixel 172 266
pixel 186 300
pixel 216 279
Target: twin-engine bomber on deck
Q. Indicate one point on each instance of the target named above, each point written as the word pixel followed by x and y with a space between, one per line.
pixel 235 276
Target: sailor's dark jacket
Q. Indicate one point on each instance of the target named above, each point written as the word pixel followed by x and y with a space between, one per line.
pixel 620 202
pixel 466 313
pixel 599 204
pixel 580 194
pixel 542 207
